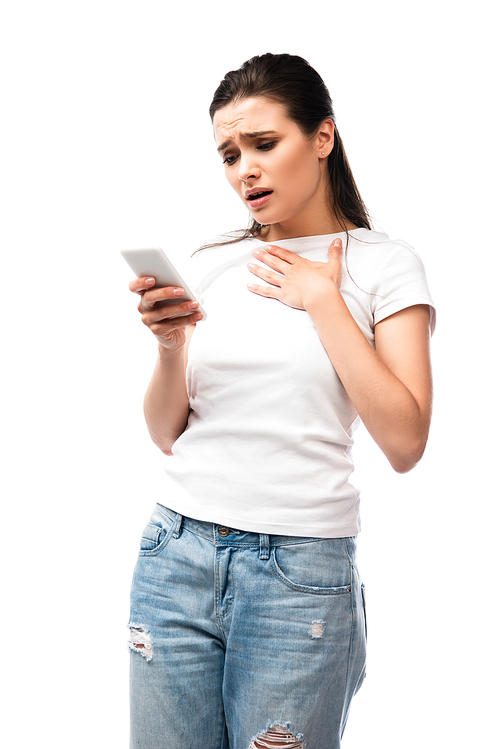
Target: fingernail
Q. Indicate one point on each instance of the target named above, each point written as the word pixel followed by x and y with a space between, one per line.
pixel 149 281
pixel 193 305
pixel 178 292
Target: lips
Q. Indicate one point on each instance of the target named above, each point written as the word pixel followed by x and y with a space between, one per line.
pixel 256 192
pixel 257 196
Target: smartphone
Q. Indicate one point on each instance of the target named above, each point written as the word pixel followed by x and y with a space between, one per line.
pixel 153 262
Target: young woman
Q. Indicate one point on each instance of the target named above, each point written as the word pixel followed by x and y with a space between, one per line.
pixel 248 624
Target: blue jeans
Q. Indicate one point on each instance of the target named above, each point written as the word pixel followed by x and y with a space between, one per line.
pixel 241 639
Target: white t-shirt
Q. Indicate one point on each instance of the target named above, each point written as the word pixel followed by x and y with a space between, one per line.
pixel 268 443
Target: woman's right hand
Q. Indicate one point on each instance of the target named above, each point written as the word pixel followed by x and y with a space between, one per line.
pixel 168 322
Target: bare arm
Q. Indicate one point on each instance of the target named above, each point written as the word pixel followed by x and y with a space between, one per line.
pixel 166 404
pixel 391 386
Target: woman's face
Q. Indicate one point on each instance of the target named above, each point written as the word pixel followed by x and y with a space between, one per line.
pixel 278 172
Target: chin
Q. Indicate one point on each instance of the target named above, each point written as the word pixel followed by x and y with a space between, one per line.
pixel 267 220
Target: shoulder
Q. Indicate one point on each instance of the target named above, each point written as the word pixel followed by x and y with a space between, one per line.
pixel 376 257
pixel 370 244
pixel 390 270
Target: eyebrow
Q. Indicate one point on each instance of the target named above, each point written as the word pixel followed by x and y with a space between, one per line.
pixel 255 134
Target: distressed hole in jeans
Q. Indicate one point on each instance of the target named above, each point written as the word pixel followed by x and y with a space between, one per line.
pixel 317 629
pixel 276 737
pixel 140 641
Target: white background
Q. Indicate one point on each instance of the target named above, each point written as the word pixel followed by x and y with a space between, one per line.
pixel 106 143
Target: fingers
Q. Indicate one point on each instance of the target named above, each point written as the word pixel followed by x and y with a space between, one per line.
pixel 153 298
pixel 157 305
pixel 274 257
pixel 140 285
pixel 265 274
pixel 164 313
pixel 267 291
pixel 177 314
pixel 280 252
pixel 335 248
pixel 163 327
pixel 272 261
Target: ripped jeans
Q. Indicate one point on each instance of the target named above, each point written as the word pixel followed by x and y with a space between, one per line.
pixel 242 640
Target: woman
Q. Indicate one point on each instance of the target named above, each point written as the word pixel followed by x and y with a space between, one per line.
pixel 247 608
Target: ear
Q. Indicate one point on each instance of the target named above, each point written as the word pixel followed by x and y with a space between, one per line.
pixel 325 137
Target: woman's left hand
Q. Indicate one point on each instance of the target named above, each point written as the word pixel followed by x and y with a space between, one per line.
pixel 296 280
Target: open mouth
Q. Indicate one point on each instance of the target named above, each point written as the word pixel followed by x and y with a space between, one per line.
pixel 258 195
pixel 255 195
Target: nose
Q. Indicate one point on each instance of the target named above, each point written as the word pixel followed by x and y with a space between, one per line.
pixel 248 169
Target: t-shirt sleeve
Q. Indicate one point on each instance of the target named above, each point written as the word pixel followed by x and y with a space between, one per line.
pixel 400 282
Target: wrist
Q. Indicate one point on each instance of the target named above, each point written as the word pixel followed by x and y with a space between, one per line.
pixel 324 292
pixel 169 354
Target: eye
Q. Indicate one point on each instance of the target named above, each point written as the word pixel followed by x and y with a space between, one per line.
pixel 267 146
pixel 229 160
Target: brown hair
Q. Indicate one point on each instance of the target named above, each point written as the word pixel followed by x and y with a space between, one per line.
pixel 292 82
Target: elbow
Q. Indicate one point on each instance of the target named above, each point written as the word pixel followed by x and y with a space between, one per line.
pixel 162 442
pixel 403 466
pixel 165 446
pixel 404 460
pixel 164 439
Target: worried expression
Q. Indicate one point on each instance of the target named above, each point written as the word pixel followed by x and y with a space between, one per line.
pixel 276 170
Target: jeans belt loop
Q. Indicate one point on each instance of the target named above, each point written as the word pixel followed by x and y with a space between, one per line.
pixel 177 525
pixel 264 546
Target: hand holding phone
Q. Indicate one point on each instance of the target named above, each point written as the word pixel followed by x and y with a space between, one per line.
pixel 154 263
pixel 168 306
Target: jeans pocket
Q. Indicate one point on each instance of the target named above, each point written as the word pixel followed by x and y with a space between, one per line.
pixel 157 533
pixel 321 567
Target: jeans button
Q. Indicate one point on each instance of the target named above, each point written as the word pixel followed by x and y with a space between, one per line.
pixel 223 531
